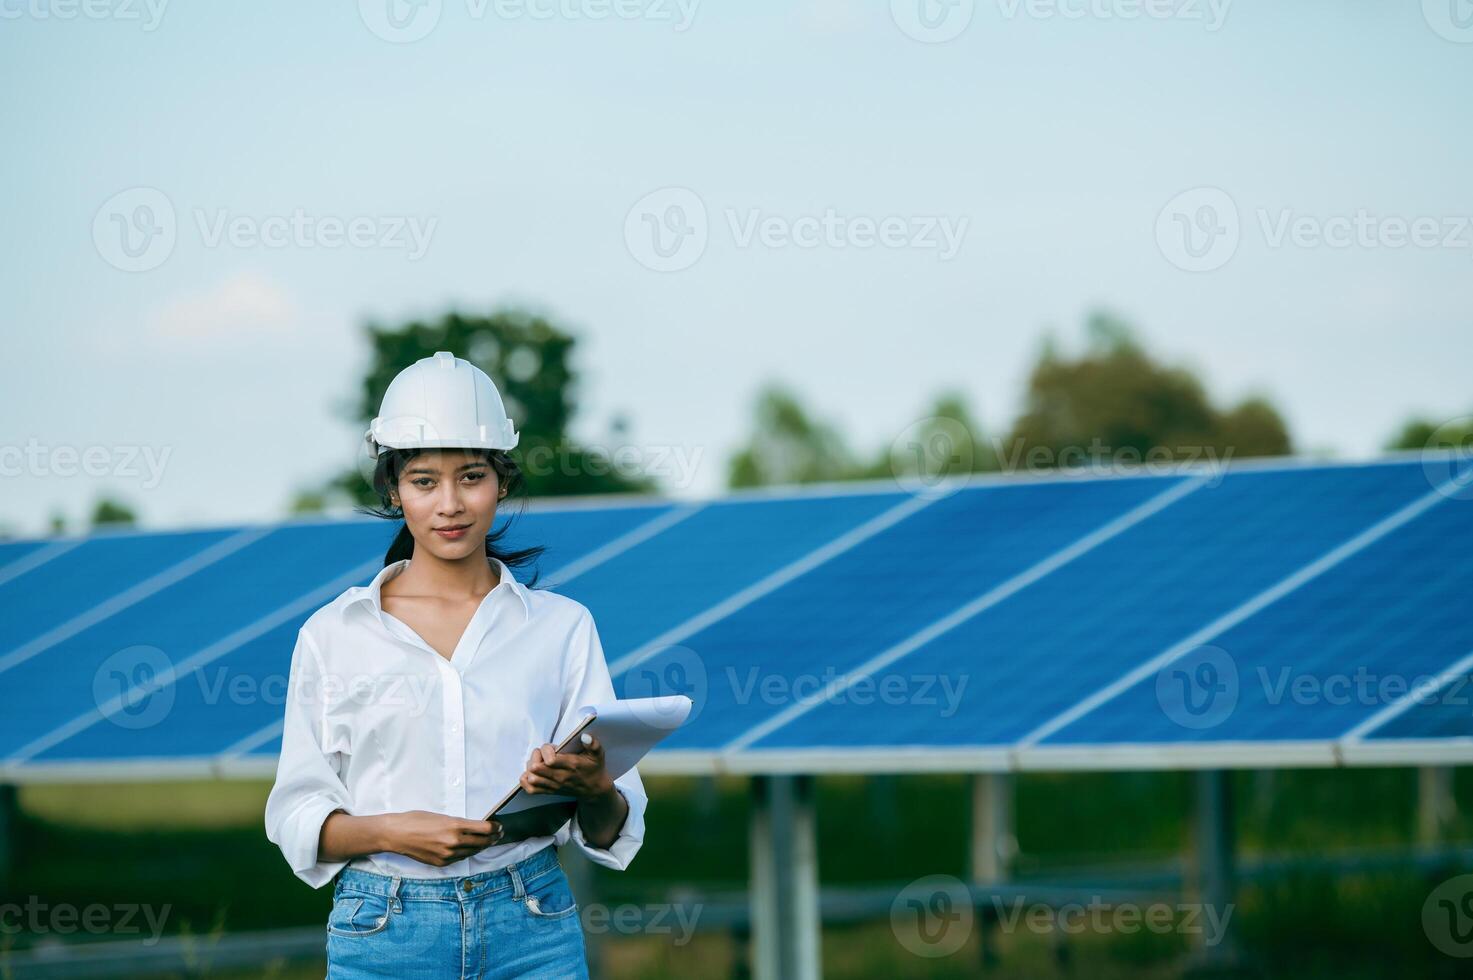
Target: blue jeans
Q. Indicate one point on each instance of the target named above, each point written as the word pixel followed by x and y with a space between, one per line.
pixel 517 921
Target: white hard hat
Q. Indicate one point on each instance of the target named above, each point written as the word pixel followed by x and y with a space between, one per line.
pixel 441 402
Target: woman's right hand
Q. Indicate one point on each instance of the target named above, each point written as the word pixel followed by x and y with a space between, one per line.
pixel 437 838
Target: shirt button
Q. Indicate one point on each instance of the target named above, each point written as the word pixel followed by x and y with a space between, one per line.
pixel 455 727
pixel 455 781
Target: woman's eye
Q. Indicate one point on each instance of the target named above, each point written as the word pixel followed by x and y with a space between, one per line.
pixel 423 482
pixel 475 477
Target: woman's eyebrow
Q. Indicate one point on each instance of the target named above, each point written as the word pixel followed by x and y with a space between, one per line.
pixel 434 472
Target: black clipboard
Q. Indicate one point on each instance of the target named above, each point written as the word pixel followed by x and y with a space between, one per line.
pixel 544 820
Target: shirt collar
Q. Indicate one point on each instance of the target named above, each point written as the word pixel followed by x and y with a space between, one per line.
pixel 372 593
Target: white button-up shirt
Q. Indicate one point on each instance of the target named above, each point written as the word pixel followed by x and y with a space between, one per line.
pixel 378 722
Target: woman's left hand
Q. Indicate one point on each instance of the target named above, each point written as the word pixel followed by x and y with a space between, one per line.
pixel 579 774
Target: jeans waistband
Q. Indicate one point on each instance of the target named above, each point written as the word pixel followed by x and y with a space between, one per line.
pixel 514 876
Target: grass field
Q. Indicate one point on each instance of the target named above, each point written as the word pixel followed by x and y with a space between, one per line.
pixel 198 850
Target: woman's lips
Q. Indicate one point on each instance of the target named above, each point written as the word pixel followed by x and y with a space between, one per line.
pixel 452 535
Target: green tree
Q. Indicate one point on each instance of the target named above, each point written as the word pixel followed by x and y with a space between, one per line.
pixel 111 512
pixel 1118 398
pixel 947 441
pixel 1421 433
pixel 530 360
pixel 788 446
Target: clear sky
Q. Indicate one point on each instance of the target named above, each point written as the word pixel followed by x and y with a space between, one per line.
pixel 1241 181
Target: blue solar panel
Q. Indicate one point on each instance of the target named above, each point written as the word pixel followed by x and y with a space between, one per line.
pixel 80 578
pixel 241 693
pixel 13 551
pixel 571 533
pixel 717 551
pixel 877 594
pixel 1446 712
pixel 1004 672
pixel 75 675
pixel 762 598
pixel 1393 613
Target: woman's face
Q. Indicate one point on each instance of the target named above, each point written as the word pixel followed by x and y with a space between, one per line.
pixel 445 489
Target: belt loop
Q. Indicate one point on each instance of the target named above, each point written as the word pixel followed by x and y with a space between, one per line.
pixel 394 905
pixel 517 891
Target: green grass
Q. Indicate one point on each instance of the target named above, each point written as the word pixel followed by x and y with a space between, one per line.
pixel 197 853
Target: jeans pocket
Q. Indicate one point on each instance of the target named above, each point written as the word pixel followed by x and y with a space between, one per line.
pixel 549 896
pixel 354 915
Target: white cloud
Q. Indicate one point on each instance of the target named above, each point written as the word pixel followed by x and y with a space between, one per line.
pixel 244 306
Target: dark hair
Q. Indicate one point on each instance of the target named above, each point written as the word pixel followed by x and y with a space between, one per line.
pixel 386 475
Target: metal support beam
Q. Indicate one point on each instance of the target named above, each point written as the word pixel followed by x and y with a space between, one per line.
pixel 994 845
pixel 1214 881
pixel 1437 808
pixel 9 818
pixel 786 929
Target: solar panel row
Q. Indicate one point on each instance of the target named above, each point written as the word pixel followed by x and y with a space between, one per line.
pixel 1279 614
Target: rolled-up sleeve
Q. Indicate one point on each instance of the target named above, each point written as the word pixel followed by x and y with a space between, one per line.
pixel 588 683
pixel 308 785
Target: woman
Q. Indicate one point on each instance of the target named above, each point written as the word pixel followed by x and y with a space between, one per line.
pixel 415 702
